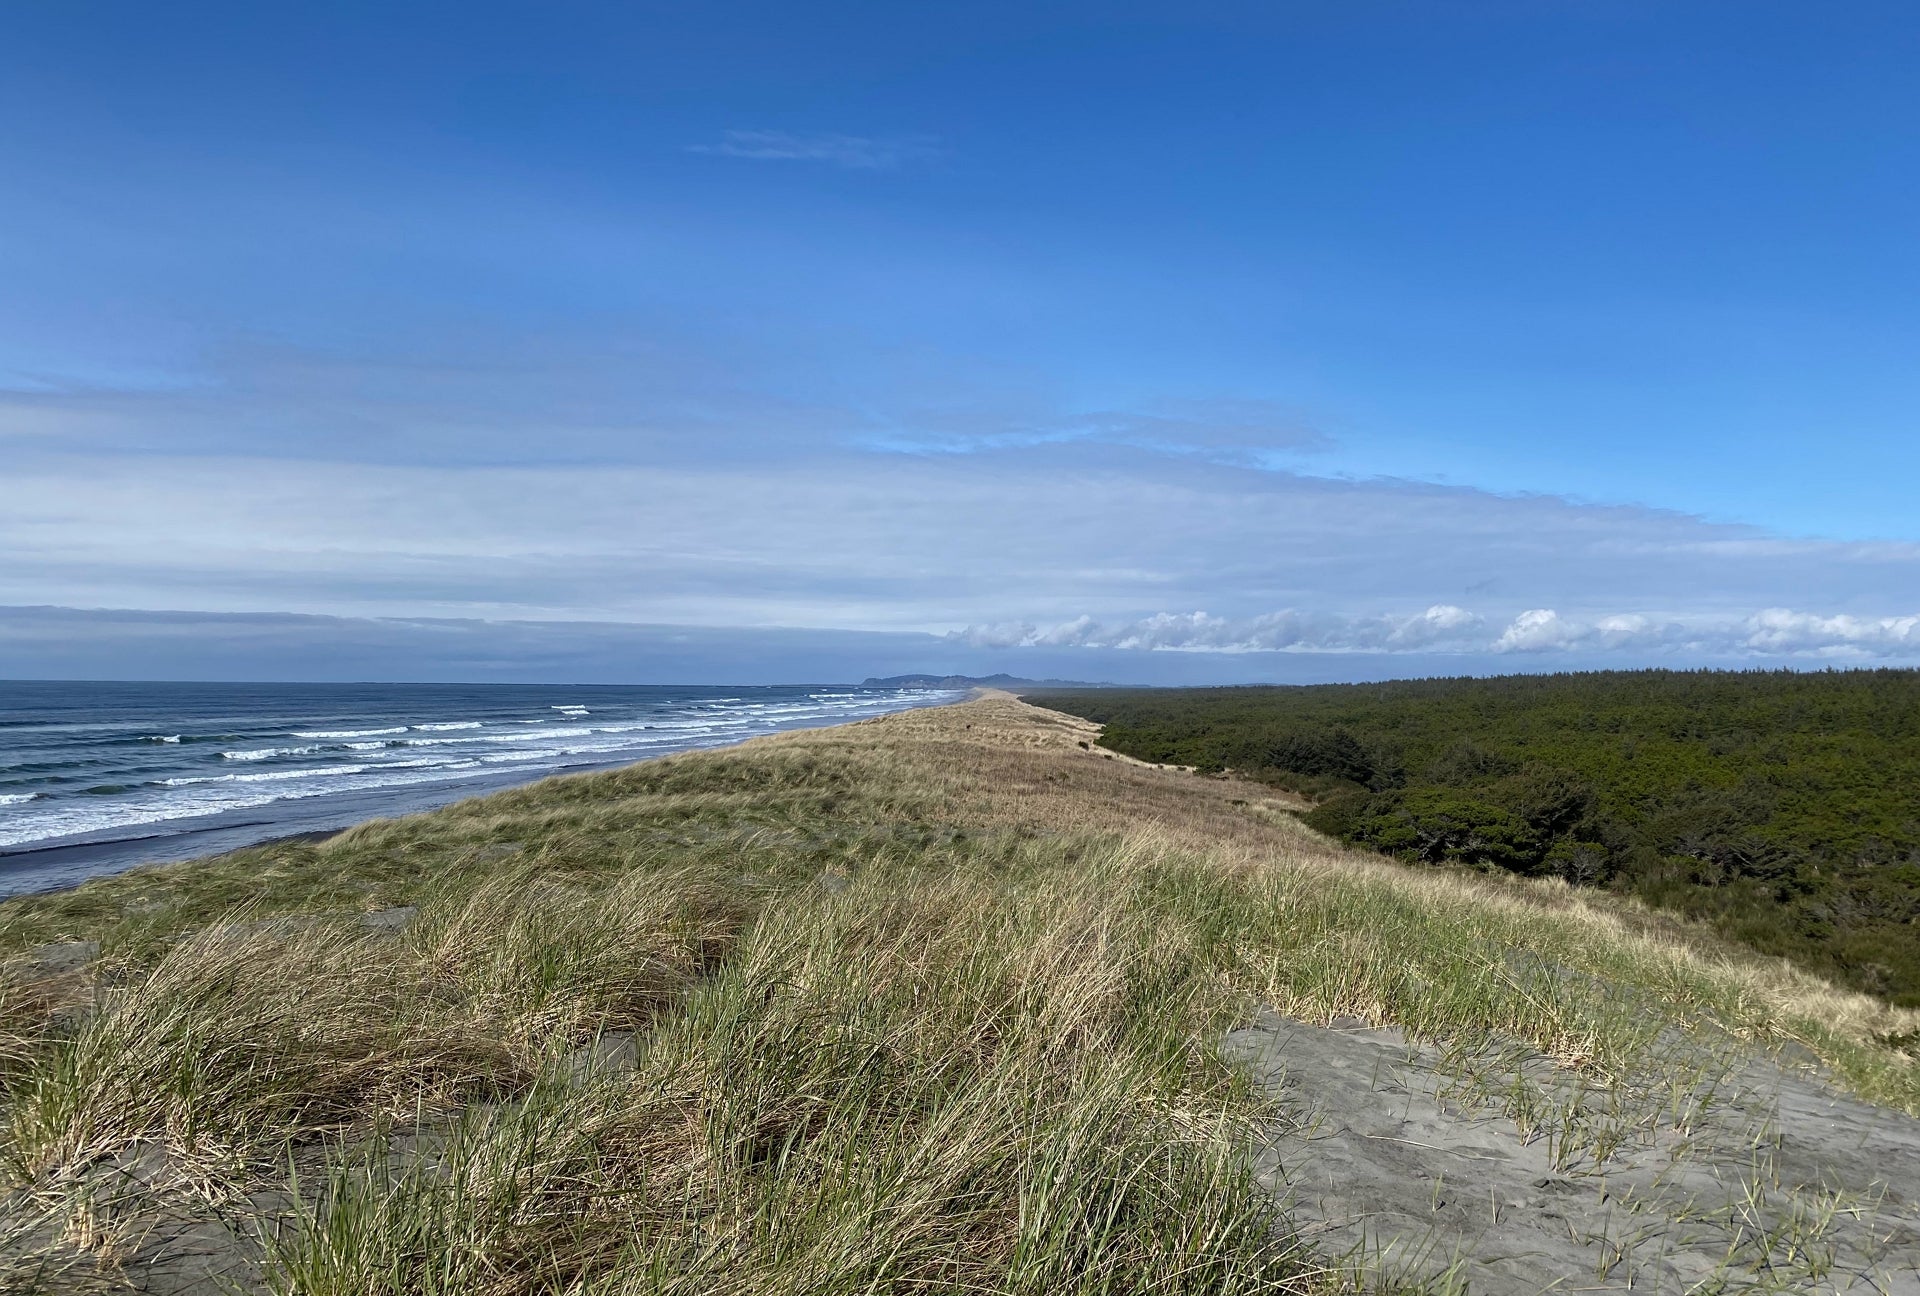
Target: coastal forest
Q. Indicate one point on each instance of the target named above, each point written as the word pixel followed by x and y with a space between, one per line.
pixel 1782 807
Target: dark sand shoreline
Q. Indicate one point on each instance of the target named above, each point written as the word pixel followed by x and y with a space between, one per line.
pixel 63 863
pixel 170 841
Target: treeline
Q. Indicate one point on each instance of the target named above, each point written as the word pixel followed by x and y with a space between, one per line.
pixel 1783 806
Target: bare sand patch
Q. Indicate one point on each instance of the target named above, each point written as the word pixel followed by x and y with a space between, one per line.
pixel 1761 1179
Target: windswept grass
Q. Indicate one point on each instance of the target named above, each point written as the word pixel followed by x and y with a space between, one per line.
pixel 921 1004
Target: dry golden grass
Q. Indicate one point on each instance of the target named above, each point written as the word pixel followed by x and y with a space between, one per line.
pixel 925 1002
pixel 1014 765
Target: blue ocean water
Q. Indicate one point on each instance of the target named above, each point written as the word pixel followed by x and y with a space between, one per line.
pixel 96 777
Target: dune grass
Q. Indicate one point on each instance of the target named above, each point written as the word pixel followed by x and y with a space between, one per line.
pixel 927 1003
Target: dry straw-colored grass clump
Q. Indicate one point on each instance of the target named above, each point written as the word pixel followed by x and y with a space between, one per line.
pixel 926 1003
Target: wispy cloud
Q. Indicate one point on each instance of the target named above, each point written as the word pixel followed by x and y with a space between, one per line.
pixel 854 152
pixel 1223 427
pixel 636 480
pixel 833 538
pixel 1248 433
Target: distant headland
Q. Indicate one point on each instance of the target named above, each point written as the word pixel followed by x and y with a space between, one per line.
pixel 1001 681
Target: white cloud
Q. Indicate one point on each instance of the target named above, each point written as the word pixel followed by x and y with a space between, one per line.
pixel 1446 629
pixel 1439 624
pixel 646 481
pixel 1780 630
pixel 1544 630
pixel 1226 431
pixel 1439 628
pixel 1155 552
pixel 1536 630
pixel 1774 632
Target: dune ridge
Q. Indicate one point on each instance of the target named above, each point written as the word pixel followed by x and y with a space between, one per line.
pixel 949 999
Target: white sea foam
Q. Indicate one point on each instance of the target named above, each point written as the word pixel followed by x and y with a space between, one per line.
pixel 348 733
pixel 16 798
pixel 271 776
pixel 161 738
pixel 318 771
pixel 231 793
pixel 542 735
pixel 525 735
pixel 85 819
pixel 785 712
pixel 505 750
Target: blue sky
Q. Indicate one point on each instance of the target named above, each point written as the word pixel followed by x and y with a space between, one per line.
pixel 1171 341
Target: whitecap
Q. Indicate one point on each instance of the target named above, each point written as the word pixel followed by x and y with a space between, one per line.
pixel 349 733
pixel 234 792
pixel 527 748
pixel 535 735
pixel 318 771
pixel 161 738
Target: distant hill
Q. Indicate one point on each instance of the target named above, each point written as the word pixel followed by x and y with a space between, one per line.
pixel 973 681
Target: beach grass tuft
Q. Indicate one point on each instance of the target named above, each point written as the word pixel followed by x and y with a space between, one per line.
pixel 924 1003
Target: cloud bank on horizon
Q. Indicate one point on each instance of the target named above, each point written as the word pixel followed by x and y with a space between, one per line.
pixel 873 343
pixel 1443 628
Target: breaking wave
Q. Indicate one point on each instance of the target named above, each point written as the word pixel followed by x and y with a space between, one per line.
pixel 347 733
pixel 98 785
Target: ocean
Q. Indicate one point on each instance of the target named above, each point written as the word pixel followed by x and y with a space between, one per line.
pixel 98 777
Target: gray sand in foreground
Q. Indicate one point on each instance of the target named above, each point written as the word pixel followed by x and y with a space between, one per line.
pixel 1776 1184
